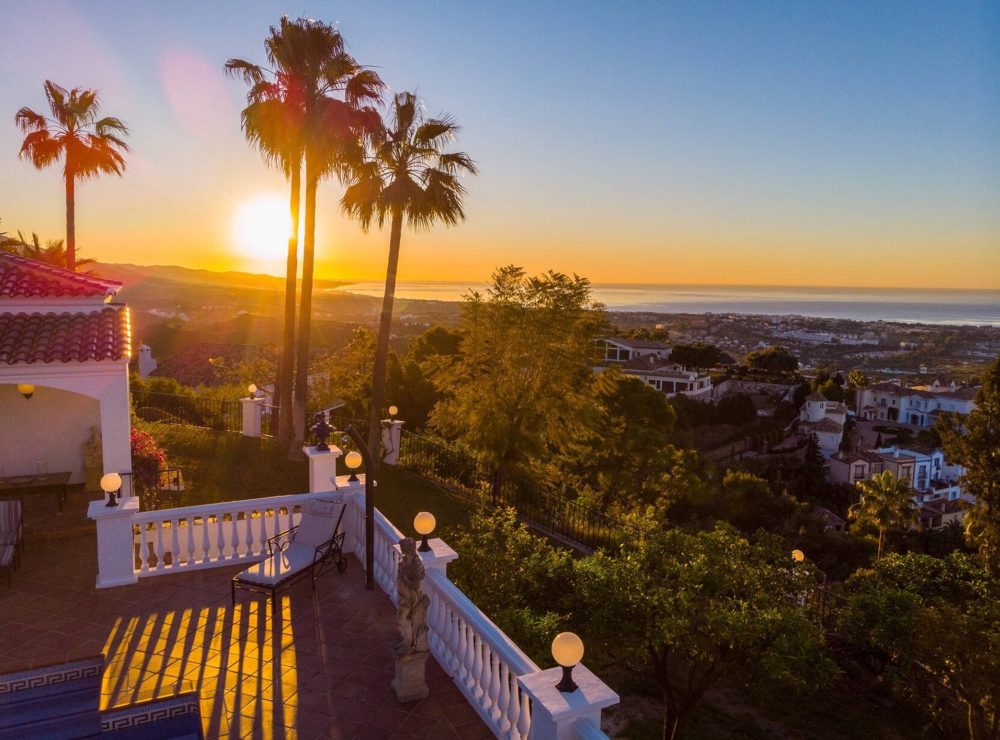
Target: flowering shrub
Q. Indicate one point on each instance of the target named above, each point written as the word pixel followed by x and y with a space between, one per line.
pixel 148 459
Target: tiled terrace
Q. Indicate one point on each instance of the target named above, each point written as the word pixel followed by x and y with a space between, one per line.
pixel 321 669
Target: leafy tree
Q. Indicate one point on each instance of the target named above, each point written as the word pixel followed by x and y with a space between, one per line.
pixel 407 176
pixel 973 441
pixel 524 371
pixel 411 390
pixel 435 342
pixel 88 146
pixel 938 623
pixel 53 253
pixel 885 503
pixel 857 379
pixel 772 360
pixel 689 610
pixel 529 600
pixel 736 408
pixel 656 334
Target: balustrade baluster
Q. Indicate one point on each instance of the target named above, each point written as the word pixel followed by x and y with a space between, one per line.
pixel 159 545
pixel 220 536
pixel 175 544
pixel 189 532
pixel 477 665
pixel 235 519
pixel 143 549
pixel 464 652
pixel 503 699
pixel 206 545
pixel 250 538
pixel 494 691
pixel 524 717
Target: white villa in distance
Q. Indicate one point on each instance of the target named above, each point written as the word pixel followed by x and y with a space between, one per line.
pixel 920 405
pixel 649 361
pixel 64 354
pixel 825 419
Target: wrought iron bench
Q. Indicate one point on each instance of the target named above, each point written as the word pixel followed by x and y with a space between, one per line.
pixel 308 549
pixel 11 535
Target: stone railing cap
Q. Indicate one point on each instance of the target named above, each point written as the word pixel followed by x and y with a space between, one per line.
pixel 100 510
pixel 592 694
pixel 313 452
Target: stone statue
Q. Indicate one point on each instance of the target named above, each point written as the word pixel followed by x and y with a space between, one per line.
pixel 321 430
pixel 411 647
pixel 93 460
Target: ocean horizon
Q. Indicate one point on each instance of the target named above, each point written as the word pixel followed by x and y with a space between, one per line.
pixel 905 305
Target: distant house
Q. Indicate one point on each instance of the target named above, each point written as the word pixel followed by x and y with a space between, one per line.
pixel 620 350
pixel 825 419
pixel 919 405
pixel 64 353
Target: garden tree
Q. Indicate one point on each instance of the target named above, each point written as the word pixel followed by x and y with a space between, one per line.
pixel 885 504
pixel 528 601
pixel 411 390
pixel 772 360
pixel 857 379
pixel 87 145
pixel 749 503
pixel 435 342
pixel 273 121
pixel 938 623
pixel 335 96
pixel 624 456
pixel 349 375
pixel 691 610
pixel 831 390
pixel 699 355
pixel 656 334
pixel 736 408
pixel 973 441
pixel 799 396
pixel 521 383
pixel 408 176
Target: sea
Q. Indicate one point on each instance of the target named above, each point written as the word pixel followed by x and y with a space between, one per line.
pixel 905 305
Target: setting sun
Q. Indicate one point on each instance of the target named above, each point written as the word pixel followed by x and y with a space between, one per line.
pixel 260 228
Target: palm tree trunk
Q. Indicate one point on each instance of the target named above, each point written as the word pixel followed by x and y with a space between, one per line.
pixel 71 222
pixel 305 314
pixel 881 535
pixel 287 369
pixel 382 348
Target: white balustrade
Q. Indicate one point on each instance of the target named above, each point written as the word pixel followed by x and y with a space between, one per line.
pixel 196 537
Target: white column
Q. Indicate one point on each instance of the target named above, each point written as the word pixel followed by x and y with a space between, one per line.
pixel 554 713
pixel 116 427
pixel 322 468
pixel 392 432
pixel 252 410
pixel 115 543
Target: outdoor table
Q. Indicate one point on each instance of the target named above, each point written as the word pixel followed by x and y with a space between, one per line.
pixel 42 483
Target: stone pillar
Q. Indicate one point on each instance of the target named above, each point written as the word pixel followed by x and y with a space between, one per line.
pixel 252 409
pixel 439 556
pixel 116 429
pixel 115 543
pixel 554 714
pixel 322 468
pixel 392 433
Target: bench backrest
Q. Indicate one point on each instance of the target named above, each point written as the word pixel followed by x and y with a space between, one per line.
pixel 319 523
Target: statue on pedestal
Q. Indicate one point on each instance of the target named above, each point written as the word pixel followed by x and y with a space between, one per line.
pixel 93 461
pixel 410 648
pixel 321 429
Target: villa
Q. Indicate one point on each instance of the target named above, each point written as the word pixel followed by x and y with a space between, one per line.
pixel 919 405
pixel 825 419
pixel 131 627
pixel 649 361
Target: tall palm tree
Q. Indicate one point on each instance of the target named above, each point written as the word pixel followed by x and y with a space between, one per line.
pixel 272 121
pixel 407 176
pixel 885 502
pixel 89 146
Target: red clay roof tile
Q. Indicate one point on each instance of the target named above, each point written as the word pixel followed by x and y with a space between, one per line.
pixel 21 277
pixel 65 337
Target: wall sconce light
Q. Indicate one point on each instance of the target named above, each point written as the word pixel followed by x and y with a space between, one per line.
pixel 424 523
pixel 26 389
pixel 353 461
pixel 567 649
pixel 111 483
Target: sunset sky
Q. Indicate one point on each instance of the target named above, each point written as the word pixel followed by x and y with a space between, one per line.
pixel 798 143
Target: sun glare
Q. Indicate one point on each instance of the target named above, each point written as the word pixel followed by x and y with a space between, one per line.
pixel 260 228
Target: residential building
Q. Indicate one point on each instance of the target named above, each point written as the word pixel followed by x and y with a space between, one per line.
pixel 649 361
pixel 919 405
pixel 619 350
pixel 825 419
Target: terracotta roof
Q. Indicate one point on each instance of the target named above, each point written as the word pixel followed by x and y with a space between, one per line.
pixel 21 277
pixel 65 337
pixel 823 425
pixel 815 396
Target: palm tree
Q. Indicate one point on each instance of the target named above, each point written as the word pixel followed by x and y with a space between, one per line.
pixel 89 146
pixel 53 253
pixel 407 176
pixel 272 121
pixel 331 96
pixel 885 502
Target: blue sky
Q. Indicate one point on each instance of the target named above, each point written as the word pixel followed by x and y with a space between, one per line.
pixel 702 142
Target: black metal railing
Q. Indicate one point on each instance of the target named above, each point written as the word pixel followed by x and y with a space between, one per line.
pixel 548 510
pixel 210 413
pixel 167 491
pixel 268 420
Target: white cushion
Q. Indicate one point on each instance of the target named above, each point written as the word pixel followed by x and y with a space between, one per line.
pixel 279 566
pixel 317 523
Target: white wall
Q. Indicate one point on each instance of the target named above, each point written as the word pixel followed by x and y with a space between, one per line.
pixel 50 427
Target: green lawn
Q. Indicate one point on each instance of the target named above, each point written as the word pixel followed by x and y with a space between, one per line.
pixel 223 466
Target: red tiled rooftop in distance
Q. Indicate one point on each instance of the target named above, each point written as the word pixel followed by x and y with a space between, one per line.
pixel 65 337
pixel 21 277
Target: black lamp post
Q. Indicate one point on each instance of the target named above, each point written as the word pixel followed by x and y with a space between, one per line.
pixel 370 484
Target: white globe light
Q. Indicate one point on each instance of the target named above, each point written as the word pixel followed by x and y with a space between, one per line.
pixel 252 390
pixel 424 523
pixel 353 460
pixel 111 482
pixel 393 411
pixel 567 649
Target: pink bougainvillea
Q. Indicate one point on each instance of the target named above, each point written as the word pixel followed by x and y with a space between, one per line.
pixel 148 459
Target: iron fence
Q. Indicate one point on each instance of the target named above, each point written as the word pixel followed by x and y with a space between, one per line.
pixel 269 420
pixel 542 508
pixel 168 408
